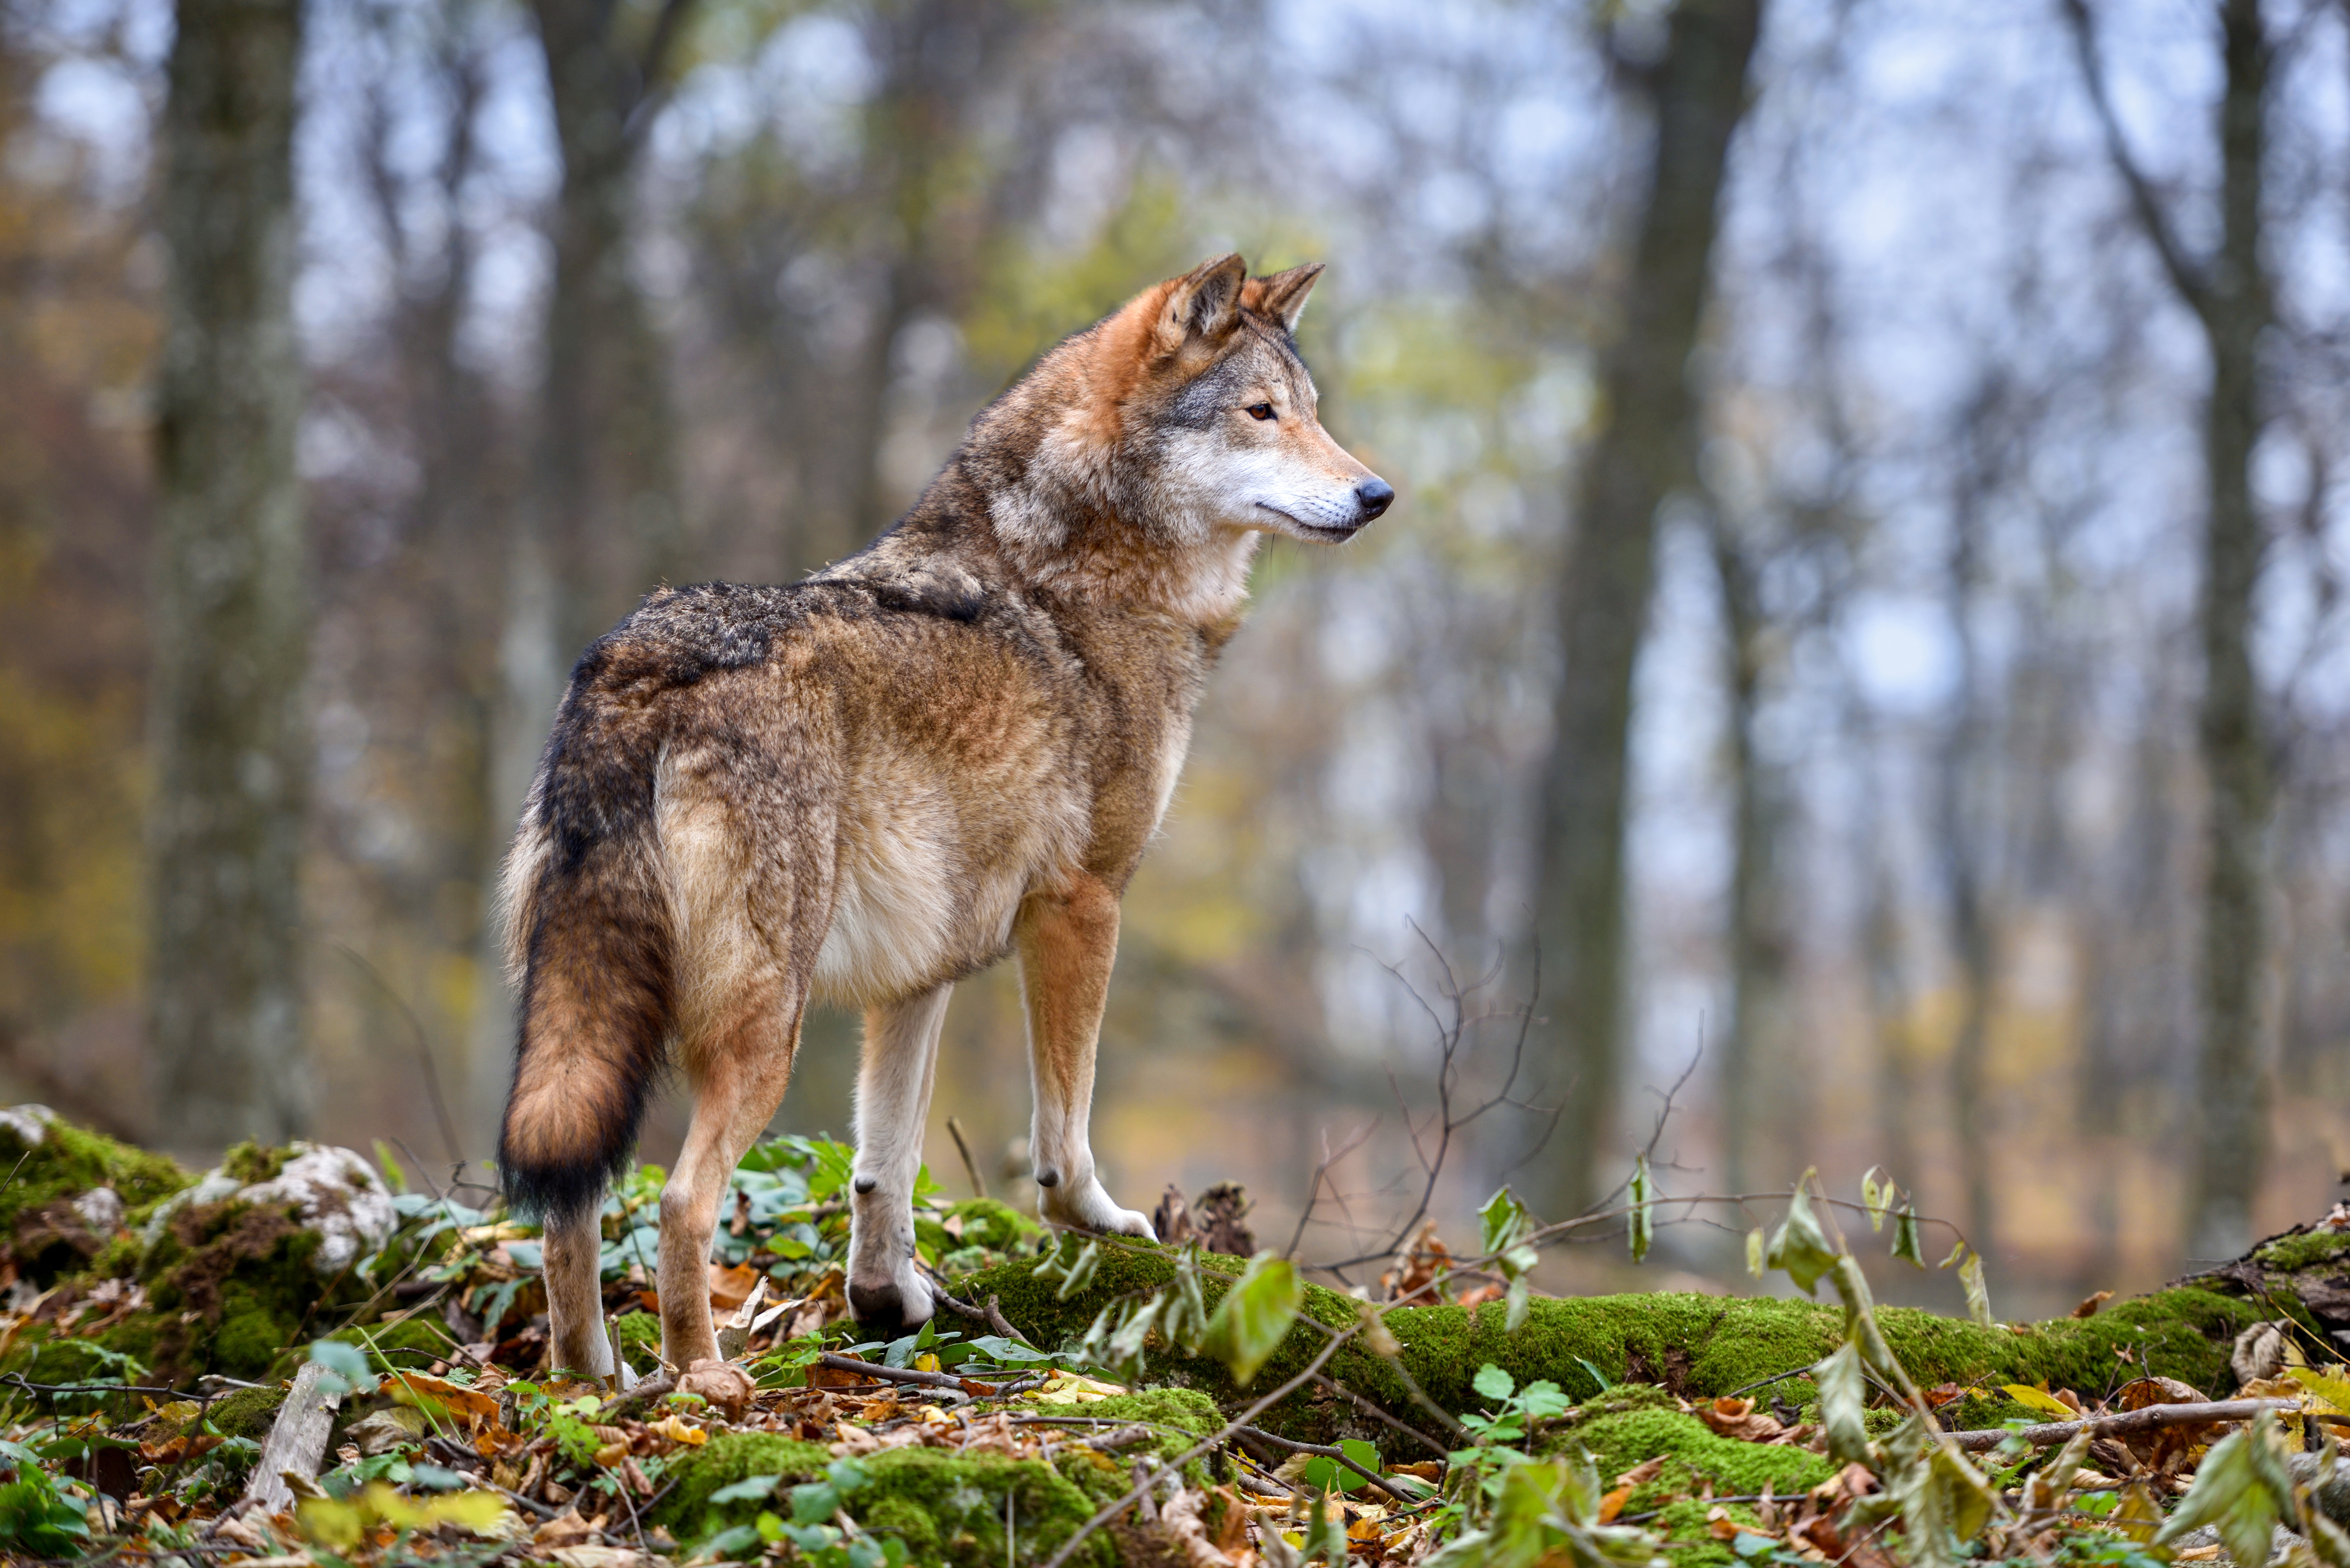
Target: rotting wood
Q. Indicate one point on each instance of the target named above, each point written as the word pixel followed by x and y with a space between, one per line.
pixel 2148 1420
pixel 296 1442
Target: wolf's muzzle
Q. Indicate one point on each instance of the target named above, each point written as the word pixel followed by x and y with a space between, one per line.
pixel 1371 498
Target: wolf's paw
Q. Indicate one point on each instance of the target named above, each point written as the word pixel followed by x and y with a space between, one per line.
pixel 889 1308
pixel 1089 1208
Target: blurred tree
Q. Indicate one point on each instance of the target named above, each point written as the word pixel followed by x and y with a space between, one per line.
pixel 598 522
pixel 231 753
pixel 1645 452
pixel 2231 297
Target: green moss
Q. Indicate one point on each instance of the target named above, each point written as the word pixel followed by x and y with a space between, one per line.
pixel 247 1413
pixel 70 1161
pixel 253 1164
pixel 234 1286
pixel 2309 1250
pixel 948 1508
pixel 1692 1453
pixel 640 1339
pixel 1694 1345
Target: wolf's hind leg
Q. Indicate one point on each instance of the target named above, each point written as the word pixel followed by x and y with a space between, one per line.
pixel 738 1073
pixel 894 1076
pixel 575 1297
pixel 1068 941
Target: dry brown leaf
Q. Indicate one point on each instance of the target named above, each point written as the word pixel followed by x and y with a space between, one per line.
pixel 727 1386
pixel 437 1395
pixel 730 1288
pixel 1720 1525
pixel 1739 1418
pixel 2089 1307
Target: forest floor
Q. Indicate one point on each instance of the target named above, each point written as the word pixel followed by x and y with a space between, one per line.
pixel 297 1359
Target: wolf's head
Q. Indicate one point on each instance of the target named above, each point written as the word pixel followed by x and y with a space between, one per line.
pixel 1184 415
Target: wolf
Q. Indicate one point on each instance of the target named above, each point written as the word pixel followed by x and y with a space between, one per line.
pixel 950 746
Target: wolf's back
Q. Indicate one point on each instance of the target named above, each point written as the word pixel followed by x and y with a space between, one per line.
pixel 588 934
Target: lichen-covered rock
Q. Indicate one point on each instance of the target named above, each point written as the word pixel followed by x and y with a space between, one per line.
pixel 332 1191
pixel 71 1192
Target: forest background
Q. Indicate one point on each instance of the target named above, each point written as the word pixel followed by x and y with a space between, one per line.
pixel 1865 607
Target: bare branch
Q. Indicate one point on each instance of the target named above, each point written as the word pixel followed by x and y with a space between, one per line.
pixel 2186 274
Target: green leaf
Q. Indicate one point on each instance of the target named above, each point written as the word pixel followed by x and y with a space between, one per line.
pixel 346 1367
pixel 747 1490
pixel 1126 1344
pixel 1757 1253
pixel 1971 1275
pixel 1502 1223
pixel 1876 1197
pixel 1640 1194
pixel 1543 1398
pixel 2241 1489
pixel 1959 1251
pixel 1843 1405
pixel 1080 1272
pixel 1521 1301
pixel 1493 1382
pixel 1801 1247
pixel 1906 1244
pixel 1184 1311
pixel 1326 1473
pixel 1249 1324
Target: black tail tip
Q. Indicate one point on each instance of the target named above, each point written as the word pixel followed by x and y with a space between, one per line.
pixel 553 1190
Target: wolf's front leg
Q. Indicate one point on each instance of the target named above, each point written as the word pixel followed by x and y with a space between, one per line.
pixel 1068 941
pixel 894 1076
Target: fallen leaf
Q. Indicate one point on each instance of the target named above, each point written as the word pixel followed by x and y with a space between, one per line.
pixel 730 1288
pixel 726 1385
pixel 2040 1400
pixel 2089 1307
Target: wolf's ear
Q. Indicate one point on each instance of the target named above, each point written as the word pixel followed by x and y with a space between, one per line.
pixel 1204 303
pixel 1281 296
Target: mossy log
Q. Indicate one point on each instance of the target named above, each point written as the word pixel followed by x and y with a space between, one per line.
pixel 1694 1346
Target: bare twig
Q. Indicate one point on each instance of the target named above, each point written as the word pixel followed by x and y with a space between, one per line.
pixel 2186 274
pixel 969 1166
pixel 1329 1453
pixel 2148 1419
pixel 881 1374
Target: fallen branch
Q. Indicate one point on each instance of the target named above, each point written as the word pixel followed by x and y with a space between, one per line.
pixel 644 1393
pixel 1294 1447
pixel 2148 1419
pixel 1373 1411
pixel 296 1442
pixel 881 1374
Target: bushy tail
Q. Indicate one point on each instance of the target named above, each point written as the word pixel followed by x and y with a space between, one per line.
pixel 589 924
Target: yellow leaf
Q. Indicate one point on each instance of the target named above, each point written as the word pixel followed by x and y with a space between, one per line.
pixel 480 1512
pixel 926 1362
pixel 394 1510
pixel 2333 1392
pixel 2040 1400
pixel 336 1526
pixel 677 1431
pixel 611 1454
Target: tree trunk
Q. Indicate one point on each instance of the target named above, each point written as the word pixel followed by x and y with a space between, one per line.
pixel 1965 841
pixel 2233 1100
pixel 597 523
pixel 1644 452
pixel 1753 1044
pixel 2232 299
pixel 224 982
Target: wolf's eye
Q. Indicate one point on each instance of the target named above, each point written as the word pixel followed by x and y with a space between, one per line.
pixel 1259 411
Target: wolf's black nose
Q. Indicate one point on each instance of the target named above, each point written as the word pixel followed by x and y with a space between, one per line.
pixel 1373 495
